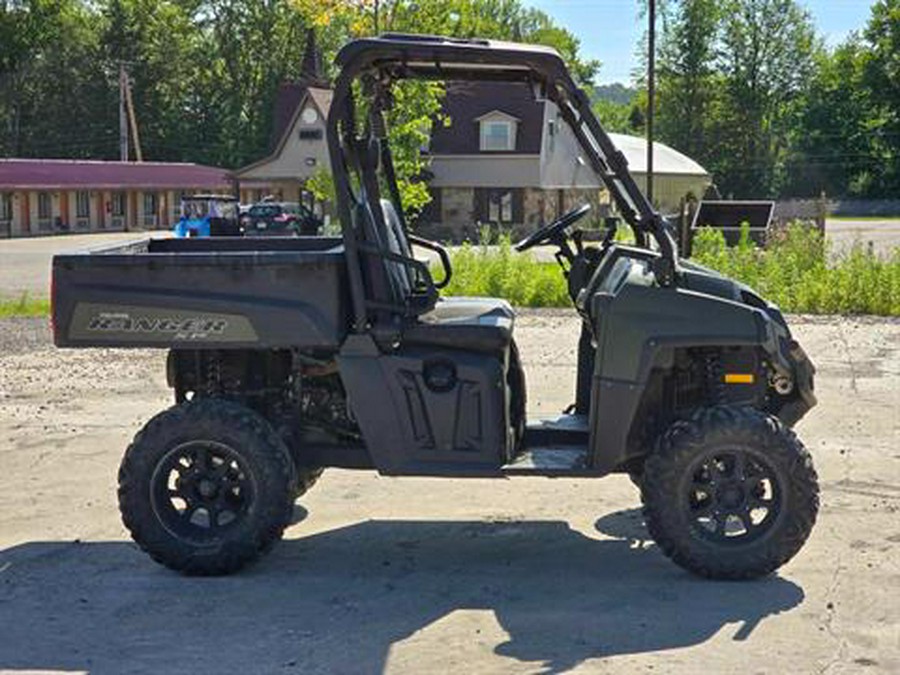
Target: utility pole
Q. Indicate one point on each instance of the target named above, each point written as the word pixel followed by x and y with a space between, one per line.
pixel 123 114
pixel 127 118
pixel 376 17
pixel 651 93
pixel 132 118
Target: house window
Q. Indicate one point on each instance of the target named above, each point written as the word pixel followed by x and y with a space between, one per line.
pixel 6 208
pixel 45 206
pixel 150 201
pixel 497 135
pixel 118 204
pixel 311 134
pixel 502 206
pixel 82 204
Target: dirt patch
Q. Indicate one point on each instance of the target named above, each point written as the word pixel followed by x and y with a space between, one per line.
pixel 418 575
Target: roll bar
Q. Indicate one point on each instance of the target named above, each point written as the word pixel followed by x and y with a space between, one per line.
pixel 391 57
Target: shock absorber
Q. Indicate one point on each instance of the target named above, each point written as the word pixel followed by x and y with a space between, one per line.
pixel 715 377
pixel 213 380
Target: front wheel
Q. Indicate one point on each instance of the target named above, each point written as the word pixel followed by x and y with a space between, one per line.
pixel 206 487
pixel 730 493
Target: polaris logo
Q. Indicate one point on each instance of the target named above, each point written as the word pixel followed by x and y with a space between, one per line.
pixel 182 328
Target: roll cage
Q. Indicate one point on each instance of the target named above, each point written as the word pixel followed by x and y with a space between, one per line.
pixel 377 63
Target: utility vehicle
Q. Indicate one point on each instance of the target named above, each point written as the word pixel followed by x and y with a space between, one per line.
pixel 292 355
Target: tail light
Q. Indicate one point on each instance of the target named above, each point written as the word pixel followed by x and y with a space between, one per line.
pixel 53 304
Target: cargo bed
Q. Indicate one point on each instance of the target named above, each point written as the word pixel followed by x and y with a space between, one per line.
pixel 204 293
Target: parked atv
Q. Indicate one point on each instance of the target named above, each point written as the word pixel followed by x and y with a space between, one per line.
pixel 292 355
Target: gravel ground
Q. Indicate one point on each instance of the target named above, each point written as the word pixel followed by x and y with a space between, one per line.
pixel 425 576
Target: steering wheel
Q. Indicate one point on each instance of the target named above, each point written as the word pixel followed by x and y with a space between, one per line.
pixel 553 231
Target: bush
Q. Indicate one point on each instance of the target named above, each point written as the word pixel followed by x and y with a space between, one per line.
pixel 797 271
pixel 497 271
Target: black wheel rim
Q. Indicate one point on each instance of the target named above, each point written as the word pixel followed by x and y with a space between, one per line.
pixel 732 497
pixel 200 490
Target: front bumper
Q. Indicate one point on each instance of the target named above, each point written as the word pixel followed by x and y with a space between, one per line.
pixel 803 398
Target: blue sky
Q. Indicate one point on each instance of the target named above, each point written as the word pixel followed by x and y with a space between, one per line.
pixel 610 29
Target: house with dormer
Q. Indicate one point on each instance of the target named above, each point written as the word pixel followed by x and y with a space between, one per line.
pixel 503 158
pixel 509 160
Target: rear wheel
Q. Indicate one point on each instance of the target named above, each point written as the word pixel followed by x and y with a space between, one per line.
pixel 730 493
pixel 206 487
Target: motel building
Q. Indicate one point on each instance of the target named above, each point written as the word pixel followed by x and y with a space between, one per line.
pixel 46 196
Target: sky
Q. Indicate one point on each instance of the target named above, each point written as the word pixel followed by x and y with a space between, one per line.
pixel 609 29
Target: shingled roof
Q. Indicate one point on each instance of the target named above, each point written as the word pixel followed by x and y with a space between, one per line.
pixel 74 174
pixel 465 102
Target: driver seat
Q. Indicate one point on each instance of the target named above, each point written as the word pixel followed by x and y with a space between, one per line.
pixel 481 324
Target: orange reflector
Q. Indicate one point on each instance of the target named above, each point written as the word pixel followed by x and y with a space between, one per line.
pixel 739 378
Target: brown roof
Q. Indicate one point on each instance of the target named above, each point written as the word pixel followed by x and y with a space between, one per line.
pixel 465 102
pixel 41 174
pixel 286 102
pixel 290 95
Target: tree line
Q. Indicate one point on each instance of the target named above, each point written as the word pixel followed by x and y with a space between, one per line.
pixel 205 73
pixel 746 87
pixel 749 90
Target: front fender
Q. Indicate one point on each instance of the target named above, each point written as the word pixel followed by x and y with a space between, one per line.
pixel 639 328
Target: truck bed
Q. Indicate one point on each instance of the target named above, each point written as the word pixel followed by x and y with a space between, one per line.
pixel 230 292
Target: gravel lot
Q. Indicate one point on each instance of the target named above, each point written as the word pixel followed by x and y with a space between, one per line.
pixel 425 576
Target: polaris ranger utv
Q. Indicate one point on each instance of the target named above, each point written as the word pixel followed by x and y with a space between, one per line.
pixel 289 356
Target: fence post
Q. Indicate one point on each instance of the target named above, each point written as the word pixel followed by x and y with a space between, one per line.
pixel 821 212
pixel 686 244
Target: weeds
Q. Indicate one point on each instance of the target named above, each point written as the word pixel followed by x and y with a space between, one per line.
pixel 796 271
pixel 23 306
pixel 497 271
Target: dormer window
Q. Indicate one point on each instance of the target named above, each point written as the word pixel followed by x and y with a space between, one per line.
pixel 498 132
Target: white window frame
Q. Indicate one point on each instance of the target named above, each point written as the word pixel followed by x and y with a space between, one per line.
pixel 44 199
pixel 150 215
pixel 82 199
pixel 6 207
pixel 487 137
pixel 118 204
pixel 500 210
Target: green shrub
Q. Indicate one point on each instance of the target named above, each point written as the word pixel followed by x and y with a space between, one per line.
pixel 498 271
pixel 796 270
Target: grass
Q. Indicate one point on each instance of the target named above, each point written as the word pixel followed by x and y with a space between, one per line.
pixel 500 272
pixel 796 271
pixel 24 305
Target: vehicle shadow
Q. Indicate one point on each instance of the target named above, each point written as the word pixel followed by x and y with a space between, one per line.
pixel 339 601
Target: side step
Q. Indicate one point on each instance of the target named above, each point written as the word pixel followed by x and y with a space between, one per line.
pixel 558 460
pixel 569 430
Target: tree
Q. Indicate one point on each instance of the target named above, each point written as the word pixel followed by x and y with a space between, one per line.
pixel 832 145
pixel 687 74
pixel 882 76
pixel 767 57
